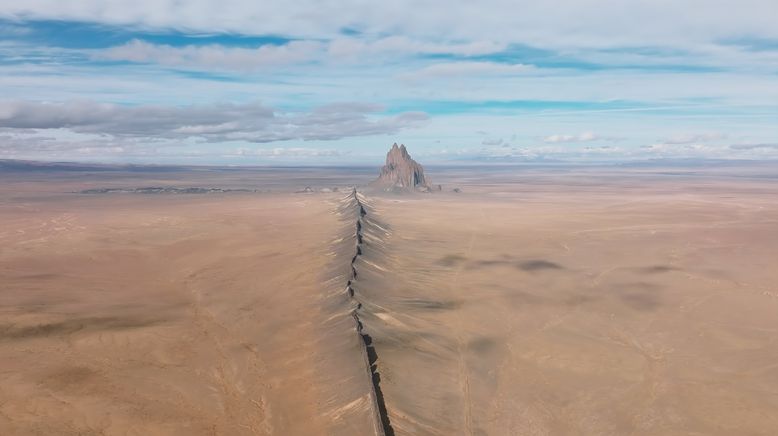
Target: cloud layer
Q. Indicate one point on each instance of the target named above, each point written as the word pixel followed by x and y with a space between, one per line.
pixel 514 78
pixel 566 23
pixel 220 122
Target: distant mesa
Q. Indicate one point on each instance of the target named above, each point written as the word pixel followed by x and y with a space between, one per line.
pixel 401 172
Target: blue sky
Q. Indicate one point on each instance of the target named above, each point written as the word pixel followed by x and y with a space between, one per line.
pixel 337 82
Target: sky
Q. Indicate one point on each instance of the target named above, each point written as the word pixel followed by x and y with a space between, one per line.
pixel 338 81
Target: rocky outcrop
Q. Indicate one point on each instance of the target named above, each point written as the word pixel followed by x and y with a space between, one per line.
pixel 401 173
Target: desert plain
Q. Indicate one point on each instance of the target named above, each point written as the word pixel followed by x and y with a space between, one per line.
pixel 538 300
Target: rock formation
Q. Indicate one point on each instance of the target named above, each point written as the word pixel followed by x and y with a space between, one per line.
pixel 401 173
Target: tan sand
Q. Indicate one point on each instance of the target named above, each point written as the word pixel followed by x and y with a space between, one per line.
pixel 574 305
pixel 537 302
pixel 173 314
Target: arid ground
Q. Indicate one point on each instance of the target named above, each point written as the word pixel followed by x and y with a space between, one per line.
pixel 610 300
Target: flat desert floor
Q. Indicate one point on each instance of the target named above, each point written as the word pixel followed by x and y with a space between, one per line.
pixel 619 300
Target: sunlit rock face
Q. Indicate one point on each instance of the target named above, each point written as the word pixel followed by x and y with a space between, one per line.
pixel 401 172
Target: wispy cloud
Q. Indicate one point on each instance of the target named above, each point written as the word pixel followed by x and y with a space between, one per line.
pixel 694 150
pixel 221 57
pixel 495 141
pixel 691 138
pixel 214 56
pixel 283 152
pixel 467 68
pixel 404 46
pixel 581 137
pixel 773 147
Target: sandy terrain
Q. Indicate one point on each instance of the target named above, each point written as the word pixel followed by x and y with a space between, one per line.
pixel 536 302
pixel 580 304
pixel 174 314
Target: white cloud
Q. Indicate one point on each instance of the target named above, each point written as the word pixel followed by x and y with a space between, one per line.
pixel 581 137
pixel 215 56
pixel 602 149
pixel 213 123
pixel 279 152
pixel 763 147
pixel 693 150
pixel 560 138
pixel 708 145
pixel 10 29
pixel 690 138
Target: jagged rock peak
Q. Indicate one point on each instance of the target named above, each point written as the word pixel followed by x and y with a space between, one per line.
pixel 401 172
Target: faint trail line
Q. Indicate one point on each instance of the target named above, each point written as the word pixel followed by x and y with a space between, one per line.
pixel 223 375
pixel 464 377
